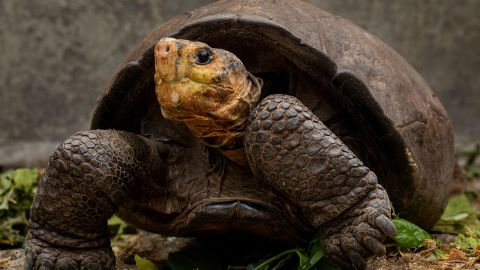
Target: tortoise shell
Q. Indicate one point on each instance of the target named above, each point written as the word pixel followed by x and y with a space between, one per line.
pixel 364 91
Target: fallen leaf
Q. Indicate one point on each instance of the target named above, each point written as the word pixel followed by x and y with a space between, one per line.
pixel 456 255
pixel 144 264
pixel 408 234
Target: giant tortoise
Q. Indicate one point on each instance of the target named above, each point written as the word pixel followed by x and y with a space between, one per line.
pixel 280 132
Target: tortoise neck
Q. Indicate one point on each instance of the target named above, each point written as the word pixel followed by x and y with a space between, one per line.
pixel 236 155
pixel 225 130
pixel 232 139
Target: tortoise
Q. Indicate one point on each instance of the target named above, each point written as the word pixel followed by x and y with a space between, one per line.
pixel 280 132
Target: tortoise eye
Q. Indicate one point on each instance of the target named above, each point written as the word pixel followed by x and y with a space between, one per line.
pixel 203 56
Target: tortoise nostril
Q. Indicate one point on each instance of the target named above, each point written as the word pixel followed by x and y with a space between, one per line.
pixel 163 50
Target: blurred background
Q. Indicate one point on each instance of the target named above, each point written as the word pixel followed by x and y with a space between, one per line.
pixel 56 55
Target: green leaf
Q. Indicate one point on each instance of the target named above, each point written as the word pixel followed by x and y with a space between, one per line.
pixel 458 207
pixel 17 189
pixel 144 264
pixel 316 254
pixel 471 166
pixel 9 232
pixel 302 258
pixel 25 178
pixel 467 242
pixel 116 226
pixel 440 254
pixel 6 199
pixel 280 264
pixel 312 258
pixel 458 215
pixel 265 264
pixel 408 234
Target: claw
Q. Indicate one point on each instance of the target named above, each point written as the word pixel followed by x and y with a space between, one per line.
pixel 357 260
pixel 343 264
pixel 375 246
pixel 66 264
pixel 44 265
pixel 28 264
pixel 386 225
pixel 366 230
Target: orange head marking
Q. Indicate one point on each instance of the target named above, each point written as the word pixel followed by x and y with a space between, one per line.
pixel 206 88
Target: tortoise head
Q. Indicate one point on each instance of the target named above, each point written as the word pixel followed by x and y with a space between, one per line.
pixel 207 89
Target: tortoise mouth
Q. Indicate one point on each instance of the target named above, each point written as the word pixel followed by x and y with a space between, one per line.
pixel 223 211
pixel 243 216
pixel 236 209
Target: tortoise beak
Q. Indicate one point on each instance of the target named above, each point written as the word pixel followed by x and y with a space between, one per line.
pixel 166 55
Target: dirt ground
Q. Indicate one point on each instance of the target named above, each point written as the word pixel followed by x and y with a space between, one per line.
pixel 157 248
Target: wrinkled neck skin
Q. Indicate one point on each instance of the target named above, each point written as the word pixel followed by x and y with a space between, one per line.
pixel 223 127
pixel 213 100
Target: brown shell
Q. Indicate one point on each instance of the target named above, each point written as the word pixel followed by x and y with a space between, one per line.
pixel 397 117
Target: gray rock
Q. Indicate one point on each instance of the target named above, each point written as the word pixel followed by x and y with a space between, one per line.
pixel 56 55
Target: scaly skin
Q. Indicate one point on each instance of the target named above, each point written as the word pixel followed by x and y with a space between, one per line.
pixel 87 178
pixel 299 156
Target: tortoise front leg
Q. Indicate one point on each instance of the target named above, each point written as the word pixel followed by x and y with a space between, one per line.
pixel 300 157
pixel 86 180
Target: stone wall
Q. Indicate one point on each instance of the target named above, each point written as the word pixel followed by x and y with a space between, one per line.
pixel 55 56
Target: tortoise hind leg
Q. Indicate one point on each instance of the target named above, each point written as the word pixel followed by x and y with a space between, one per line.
pixel 300 157
pixel 86 180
